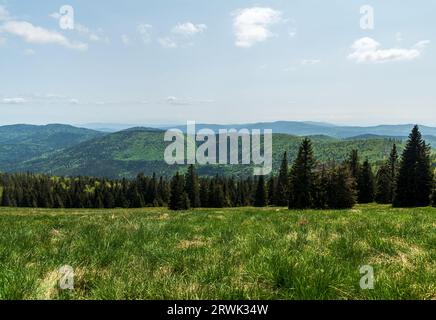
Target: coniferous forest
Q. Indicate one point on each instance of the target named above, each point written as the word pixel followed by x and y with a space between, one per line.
pixel 404 181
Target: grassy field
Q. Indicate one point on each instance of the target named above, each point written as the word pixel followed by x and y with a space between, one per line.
pixel 243 253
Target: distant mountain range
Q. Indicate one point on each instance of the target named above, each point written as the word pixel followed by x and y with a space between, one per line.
pixel 67 150
pixel 316 128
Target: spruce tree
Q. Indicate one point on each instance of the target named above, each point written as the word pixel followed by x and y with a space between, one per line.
pixel 383 187
pixel 354 164
pixel 163 191
pixel 434 194
pixel 386 178
pixel 321 187
pixel 272 190
pixel 178 198
pixel 193 187
pixel 281 197
pixel 152 192
pixel 340 188
pixel 393 168
pixel 415 177
pixel 204 192
pixel 366 184
pixel 303 178
pixel 108 198
pixel 6 198
pixel 233 192
pixel 216 194
pixel 260 198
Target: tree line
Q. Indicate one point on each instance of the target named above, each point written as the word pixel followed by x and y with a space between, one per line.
pixel 405 181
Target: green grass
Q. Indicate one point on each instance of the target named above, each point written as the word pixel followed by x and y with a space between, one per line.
pixel 243 253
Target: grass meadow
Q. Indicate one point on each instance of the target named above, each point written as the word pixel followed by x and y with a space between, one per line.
pixel 235 253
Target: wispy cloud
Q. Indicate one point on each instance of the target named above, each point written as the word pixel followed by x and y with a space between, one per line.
pixel 367 50
pixel 181 35
pixel 95 36
pixel 145 31
pixel 167 42
pixel 186 101
pixel 38 35
pixel 125 40
pixel 15 100
pixel 251 25
pixel 92 35
pixel 188 29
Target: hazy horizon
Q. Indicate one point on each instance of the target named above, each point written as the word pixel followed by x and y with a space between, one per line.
pixel 114 125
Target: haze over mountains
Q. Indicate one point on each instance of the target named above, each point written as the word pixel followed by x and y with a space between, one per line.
pixel 318 128
pixel 299 128
pixel 67 150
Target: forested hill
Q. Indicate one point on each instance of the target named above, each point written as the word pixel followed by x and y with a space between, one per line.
pixel 126 153
pixel 66 150
pixel 22 142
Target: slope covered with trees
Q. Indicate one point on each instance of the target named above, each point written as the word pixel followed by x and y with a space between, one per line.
pixel 19 143
pixel 126 153
pixel 308 183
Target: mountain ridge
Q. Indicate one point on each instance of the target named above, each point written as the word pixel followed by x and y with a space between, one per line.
pixel 66 150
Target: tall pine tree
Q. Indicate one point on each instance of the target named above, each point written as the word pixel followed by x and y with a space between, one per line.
pixel 415 177
pixel 272 190
pixel 178 198
pixel 386 178
pixel 383 185
pixel 340 188
pixel 366 184
pixel 354 164
pixel 193 187
pixel 260 198
pixel 281 197
pixel 303 178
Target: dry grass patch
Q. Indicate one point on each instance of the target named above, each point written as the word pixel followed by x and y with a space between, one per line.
pixel 48 286
pixel 196 242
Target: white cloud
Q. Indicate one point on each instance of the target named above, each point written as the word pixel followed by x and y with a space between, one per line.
pixel 94 36
pixel 55 15
pixel 186 101
pixel 421 45
pixel 91 35
pixel 176 101
pixel 367 50
pixel 34 34
pixel 73 101
pixel 251 25
pixel 145 31
pixel 188 29
pixel 181 35
pixel 18 100
pixel 310 62
pixel 167 43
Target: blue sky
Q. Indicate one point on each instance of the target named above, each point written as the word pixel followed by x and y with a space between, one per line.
pixel 168 61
